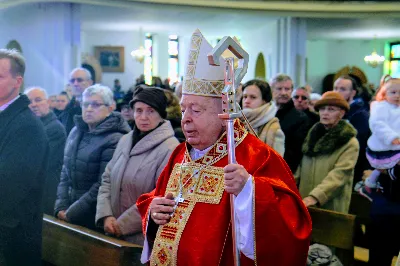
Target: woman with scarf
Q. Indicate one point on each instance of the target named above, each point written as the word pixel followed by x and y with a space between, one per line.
pixel 330 152
pixel 260 111
pixel 136 164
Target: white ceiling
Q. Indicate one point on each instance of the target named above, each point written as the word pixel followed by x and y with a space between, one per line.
pixel 382 28
pixel 171 19
pixel 183 20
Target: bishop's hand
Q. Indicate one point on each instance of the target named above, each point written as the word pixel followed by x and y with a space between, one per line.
pixel 161 209
pixel 236 177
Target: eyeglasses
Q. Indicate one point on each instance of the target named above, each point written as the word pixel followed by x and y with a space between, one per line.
pixel 79 80
pixel 94 105
pixel 300 96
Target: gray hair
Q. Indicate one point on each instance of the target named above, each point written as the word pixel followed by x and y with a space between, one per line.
pixel 280 78
pixel 87 72
pixel 300 88
pixel 103 91
pixel 17 61
pixel 28 90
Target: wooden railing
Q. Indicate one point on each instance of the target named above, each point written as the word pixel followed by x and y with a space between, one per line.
pixel 66 244
pixel 336 230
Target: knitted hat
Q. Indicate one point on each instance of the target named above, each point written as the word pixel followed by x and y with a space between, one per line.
pixel 151 96
pixel 332 98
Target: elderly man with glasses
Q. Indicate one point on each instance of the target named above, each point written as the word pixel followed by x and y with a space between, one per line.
pixel 80 79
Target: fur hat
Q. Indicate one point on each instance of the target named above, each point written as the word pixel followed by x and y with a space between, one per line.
pixel 332 98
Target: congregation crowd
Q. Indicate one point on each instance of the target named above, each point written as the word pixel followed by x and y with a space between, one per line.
pixel 97 150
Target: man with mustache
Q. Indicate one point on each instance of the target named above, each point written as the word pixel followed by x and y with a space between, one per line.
pixel 294 123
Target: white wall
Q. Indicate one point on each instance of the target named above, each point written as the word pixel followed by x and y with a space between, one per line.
pixel 328 56
pixel 254 41
pixel 48 48
pixel 129 39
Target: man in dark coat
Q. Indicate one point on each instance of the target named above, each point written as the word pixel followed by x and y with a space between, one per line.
pixel 57 136
pixel 295 124
pixel 80 79
pixel 358 116
pixel 23 164
pixel 384 230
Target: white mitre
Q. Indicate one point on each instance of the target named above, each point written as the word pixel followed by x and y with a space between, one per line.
pixel 201 78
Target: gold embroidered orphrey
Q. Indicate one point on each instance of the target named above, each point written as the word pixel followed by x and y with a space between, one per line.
pixel 207 186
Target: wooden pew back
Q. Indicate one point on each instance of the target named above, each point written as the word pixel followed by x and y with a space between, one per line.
pixel 336 230
pixel 67 244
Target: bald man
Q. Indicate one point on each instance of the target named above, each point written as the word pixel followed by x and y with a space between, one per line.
pixel 57 136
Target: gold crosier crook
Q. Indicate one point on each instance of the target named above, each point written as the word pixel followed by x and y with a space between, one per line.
pixel 230 110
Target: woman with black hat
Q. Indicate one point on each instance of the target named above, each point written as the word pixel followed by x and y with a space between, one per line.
pixel 136 164
pixel 330 152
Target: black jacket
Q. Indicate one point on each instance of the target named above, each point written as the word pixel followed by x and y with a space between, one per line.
pixel 57 136
pixel 85 158
pixel 295 125
pixel 66 117
pixel 23 164
pixel 313 118
pixel 358 116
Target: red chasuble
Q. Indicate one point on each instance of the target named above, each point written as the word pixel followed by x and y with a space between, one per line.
pixel 199 232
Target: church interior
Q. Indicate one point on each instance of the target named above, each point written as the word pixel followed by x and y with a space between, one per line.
pixel 314 42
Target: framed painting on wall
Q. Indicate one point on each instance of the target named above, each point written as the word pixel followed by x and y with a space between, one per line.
pixel 111 58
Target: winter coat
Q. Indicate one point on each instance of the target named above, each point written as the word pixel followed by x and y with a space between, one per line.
pixel 295 125
pixel 141 165
pixel 66 116
pixel 385 126
pixel 85 158
pixel 358 116
pixel 327 167
pixel 266 125
pixel 23 164
pixel 57 136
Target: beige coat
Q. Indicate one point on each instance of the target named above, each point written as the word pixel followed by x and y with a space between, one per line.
pixel 267 126
pixel 142 164
pixel 327 169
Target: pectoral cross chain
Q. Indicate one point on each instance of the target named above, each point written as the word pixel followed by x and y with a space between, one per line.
pixel 179 199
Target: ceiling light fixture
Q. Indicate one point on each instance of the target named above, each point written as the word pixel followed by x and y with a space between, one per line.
pixel 374 59
pixel 140 53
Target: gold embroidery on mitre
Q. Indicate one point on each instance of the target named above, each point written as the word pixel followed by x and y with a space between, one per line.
pixel 204 87
pixel 196 86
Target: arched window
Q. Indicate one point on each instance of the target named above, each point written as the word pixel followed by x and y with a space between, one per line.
pixel 394 67
pixel 173 60
pixel 148 59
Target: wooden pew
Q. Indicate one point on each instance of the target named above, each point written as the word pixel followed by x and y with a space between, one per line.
pixel 336 230
pixel 66 244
